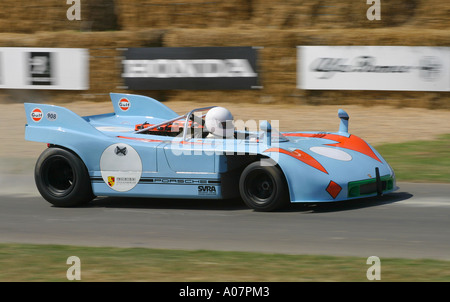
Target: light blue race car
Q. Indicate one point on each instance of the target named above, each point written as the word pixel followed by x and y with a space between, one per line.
pixel 144 149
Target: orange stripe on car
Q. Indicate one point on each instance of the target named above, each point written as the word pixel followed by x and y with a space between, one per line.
pixel 352 142
pixel 301 156
pixel 142 139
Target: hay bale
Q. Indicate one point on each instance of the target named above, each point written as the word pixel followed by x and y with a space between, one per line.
pixel 50 15
pixel 134 14
pixel 276 26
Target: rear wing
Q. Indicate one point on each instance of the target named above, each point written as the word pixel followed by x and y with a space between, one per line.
pixel 139 105
pixel 46 122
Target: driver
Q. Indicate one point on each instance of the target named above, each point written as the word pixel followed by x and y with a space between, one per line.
pixel 220 123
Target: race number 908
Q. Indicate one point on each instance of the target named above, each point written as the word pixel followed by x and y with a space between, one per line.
pixel 52 116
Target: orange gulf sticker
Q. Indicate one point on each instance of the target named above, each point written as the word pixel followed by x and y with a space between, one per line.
pixel 124 104
pixel 36 114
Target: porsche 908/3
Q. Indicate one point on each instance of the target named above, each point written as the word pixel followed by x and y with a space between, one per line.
pixel 145 149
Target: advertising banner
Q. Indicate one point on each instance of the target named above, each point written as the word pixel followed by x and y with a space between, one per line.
pixel 44 68
pixel 199 68
pixel 373 68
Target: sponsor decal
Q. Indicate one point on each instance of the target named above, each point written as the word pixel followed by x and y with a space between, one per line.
pixel 121 151
pixel 111 181
pixel 124 104
pixel 121 181
pixel 170 181
pixel 206 190
pixel 36 115
pixel 121 167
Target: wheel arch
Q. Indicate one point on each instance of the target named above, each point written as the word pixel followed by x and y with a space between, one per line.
pixel 74 151
pixel 282 169
pixel 263 185
pixel 65 148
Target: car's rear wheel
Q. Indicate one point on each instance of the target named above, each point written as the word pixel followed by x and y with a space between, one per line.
pixel 263 187
pixel 62 178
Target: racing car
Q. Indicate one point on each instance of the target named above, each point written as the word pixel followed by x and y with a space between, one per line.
pixel 145 149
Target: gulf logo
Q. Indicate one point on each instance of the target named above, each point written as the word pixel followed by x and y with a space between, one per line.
pixel 124 104
pixel 36 114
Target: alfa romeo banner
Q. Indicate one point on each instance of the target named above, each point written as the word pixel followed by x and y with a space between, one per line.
pixel 373 68
pixel 44 68
pixel 199 68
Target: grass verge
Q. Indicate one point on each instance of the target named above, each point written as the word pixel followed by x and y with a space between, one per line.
pixel 27 262
pixel 424 161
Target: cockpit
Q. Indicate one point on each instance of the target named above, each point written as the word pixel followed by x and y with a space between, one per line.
pixel 208 123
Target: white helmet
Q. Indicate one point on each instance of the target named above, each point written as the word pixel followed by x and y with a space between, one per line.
pixel 219 122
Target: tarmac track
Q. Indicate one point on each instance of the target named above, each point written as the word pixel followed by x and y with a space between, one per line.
pixel 410 223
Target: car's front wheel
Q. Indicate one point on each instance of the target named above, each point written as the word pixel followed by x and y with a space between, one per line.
pixel 263 187
pixel 62 178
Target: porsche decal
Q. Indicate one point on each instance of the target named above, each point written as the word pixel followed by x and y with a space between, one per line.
pixel 111 181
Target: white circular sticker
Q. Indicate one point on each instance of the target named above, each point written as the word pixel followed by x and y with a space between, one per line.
pixel 332 153
pixel 121 167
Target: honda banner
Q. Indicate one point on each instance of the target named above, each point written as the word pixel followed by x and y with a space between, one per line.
pixel 165 68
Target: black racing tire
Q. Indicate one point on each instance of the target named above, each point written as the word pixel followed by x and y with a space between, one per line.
pixel 263 187
pixel 62 178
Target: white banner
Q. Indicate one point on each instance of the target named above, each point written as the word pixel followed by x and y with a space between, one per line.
pixel 44 68
pixel 373 68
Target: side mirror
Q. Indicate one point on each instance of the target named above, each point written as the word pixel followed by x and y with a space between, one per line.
pixel 343 126
pixel 266 128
